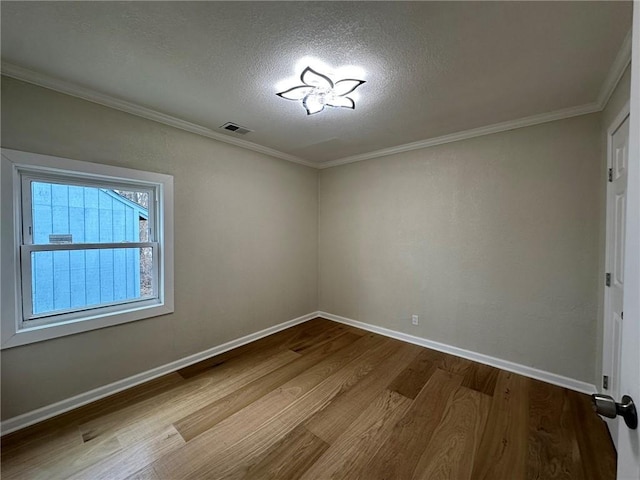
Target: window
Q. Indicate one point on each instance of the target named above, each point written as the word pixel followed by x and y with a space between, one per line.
pixel 91 246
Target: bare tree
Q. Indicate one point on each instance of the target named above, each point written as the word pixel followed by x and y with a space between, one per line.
pixel 146 256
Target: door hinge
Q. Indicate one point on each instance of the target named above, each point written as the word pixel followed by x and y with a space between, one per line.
pixel 608 280
pixel 611 174
pixel 605 382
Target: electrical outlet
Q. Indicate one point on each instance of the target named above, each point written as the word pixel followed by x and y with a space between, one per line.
pixel 414 319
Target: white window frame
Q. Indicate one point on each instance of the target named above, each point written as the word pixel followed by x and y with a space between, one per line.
pixel 19 169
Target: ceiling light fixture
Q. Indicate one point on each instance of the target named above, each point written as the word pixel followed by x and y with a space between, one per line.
pixel 318 91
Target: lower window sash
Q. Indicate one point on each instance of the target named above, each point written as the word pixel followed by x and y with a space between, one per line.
pixel 140 295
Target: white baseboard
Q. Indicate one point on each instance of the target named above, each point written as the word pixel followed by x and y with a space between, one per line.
pixel 49 411
pixel 531 372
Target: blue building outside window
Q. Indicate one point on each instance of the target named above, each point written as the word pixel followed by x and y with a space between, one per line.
pixel 63 280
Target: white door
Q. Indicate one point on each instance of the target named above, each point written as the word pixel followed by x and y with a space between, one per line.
pixel 618 159
pixel 628 443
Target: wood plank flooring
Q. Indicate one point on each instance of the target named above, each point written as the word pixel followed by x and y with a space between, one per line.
pixel 317 401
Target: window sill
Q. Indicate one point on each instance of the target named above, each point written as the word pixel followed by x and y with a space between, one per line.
pixel 27 335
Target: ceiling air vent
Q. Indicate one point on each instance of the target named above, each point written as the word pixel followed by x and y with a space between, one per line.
pixel 235 128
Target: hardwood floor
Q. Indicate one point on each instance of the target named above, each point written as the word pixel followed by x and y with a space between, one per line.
pixel 323 400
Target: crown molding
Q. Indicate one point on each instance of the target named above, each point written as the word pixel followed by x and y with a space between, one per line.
pixel 618 67
pixel 52 83
pixel 466 134
pixel 622 60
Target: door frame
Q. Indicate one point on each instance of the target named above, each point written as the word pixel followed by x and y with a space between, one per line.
pixel 607 342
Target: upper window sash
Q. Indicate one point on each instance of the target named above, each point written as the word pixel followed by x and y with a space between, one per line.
pixel 29 176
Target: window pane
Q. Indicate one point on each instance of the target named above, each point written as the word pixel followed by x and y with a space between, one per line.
pixel 77 214
pixel 66 280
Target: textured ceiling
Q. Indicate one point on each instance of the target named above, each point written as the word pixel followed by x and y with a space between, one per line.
pixel 431 68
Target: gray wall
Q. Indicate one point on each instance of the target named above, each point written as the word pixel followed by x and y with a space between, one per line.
pixel 493 241
pixel 245 243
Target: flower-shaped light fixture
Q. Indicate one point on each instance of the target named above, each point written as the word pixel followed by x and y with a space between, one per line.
pixel 319 91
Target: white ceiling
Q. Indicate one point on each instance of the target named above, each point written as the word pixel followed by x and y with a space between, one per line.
pixel 431 68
